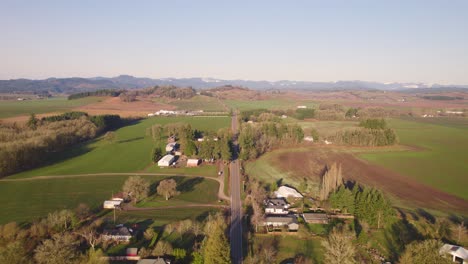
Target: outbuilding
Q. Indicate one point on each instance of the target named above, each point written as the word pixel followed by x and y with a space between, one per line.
pixel 458 254
pixel 170 147
pixel 309 138
pixel 193 162
pixel 112 204
pixel 315 218
pixel 119 234
pixel 278 222
pixel 166 161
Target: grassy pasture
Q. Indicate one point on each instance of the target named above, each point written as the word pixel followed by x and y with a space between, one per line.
pixel 273 104
pixel 442 161
pixel 291 245
pixel 199 102
pixel 58 104
pixel 27 200
pixel 130 152
pixel 327 128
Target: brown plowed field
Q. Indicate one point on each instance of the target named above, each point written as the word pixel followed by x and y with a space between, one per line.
pixel 403 188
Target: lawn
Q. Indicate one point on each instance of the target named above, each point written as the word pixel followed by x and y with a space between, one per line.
pixel 28 200
pixel 57 104
pixel 162 217
pixel 203 170
pixel 442 161
pixel 199 102
pixel 273 104
pixel 130 151
pixel 291 245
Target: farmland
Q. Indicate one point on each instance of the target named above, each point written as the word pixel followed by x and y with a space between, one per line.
pixel 29 199
pixel 129 152
pixel 441 161
pixel 199 102
pixel 58 104
pixel 273 104
pixel 428 172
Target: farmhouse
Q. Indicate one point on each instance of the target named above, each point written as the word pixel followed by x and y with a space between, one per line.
pixel 276 206
pixel 287 192
pixel 193 162
pixel 457 253
pixel 314 218
pixel 286 221
pixel 171 147
pixel 118 234
pixel 166 161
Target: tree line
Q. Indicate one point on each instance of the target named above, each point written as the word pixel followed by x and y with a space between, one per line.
pixel 104 92
pixel 256 139
pixel 32 145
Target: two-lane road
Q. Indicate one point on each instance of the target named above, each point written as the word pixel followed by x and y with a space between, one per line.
pixel 236 204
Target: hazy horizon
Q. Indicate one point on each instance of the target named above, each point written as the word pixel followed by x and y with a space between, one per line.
pixel 398 41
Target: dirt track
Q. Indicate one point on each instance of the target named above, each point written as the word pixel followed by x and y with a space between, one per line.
pixel 406 189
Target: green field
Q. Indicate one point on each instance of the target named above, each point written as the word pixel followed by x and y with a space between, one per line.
pixel 290 245
pixel 130 152
pixel 442 161
pixel 199 102
pixel 27 200
pixel 57 104
pixel 273 104
pixel 327 128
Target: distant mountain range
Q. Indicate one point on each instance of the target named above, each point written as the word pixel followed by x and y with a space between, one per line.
pixel 74 85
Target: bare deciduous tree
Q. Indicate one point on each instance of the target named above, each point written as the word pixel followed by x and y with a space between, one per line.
pixel 136 188
pixel 167 188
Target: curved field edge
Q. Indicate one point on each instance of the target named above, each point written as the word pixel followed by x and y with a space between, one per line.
pixel 129 152
pixel 26 200
pixel 441 159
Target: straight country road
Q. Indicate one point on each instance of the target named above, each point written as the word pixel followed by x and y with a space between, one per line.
pixel 236 204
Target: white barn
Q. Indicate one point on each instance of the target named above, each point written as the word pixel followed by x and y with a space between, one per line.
pixel 166 161
pixel 111 204
pixel 287 192
pixel 193 162
pixel 457 253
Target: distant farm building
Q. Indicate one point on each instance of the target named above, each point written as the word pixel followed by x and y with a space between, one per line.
pixel 276 222
pixel 457 253
pixel 193 162
pixel 301 106
pixel 287 192
pixel 166 161
pixel 284 116
pixel 118 234
pixel 315 218
pixel 171 147
pixel 276 206
pixel 112 204
pixel 328 142
pixel 309 138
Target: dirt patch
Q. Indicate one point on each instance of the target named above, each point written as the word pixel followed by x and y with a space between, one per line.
pixel 311 164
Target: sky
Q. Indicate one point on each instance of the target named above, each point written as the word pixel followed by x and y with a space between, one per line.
pixel 384 41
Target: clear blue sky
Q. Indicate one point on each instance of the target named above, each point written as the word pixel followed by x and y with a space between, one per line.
pixel 386 41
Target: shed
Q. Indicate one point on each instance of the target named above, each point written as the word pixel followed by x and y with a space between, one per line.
pixel 286 192
pixel 166 161
pixel 457 253
pixel 284 221
pixel 111 204
pixel 315 218
pixel 171 146
pixel 193 162
pixel 119 234
pixel 301 106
